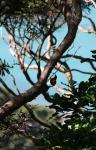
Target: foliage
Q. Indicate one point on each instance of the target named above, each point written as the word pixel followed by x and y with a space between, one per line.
pixel 78 131
pixel 4 67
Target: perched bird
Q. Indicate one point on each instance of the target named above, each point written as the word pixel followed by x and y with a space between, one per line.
pixel 53 80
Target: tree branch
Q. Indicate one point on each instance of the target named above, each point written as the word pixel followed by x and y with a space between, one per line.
pixel 40 86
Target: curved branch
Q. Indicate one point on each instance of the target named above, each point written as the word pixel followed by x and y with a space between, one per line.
pixel 82 59
pixel 40 86
pixel 84 72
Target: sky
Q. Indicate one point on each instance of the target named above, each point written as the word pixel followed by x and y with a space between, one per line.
pixel 82 45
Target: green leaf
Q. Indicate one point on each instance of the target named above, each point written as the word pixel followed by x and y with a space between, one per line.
pixel 93 51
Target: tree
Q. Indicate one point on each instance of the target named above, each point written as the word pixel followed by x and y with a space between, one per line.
pixel 30 23
pixel 30 94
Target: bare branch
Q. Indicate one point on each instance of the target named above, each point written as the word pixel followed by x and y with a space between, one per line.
pixel 84 72
pixel 82 59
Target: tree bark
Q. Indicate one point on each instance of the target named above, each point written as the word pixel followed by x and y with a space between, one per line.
pixel 17 101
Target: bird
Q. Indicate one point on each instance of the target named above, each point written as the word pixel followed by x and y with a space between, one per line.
pixel 53 80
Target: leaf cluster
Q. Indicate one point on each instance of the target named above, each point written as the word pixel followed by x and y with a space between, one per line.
pixel 4 67
pixel 77 130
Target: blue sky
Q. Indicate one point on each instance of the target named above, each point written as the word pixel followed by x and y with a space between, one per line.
pixel 84 43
